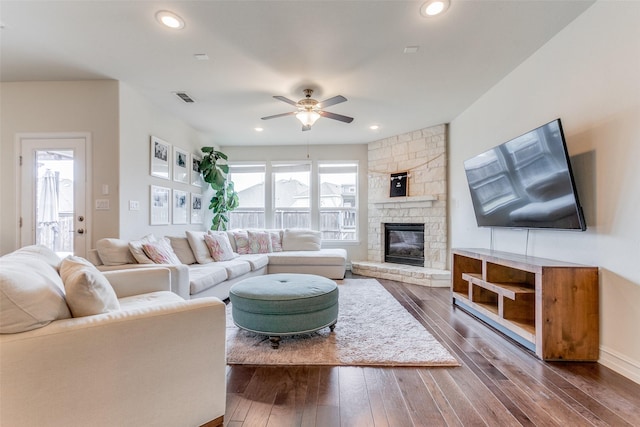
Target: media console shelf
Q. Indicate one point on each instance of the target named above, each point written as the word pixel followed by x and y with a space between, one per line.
pixel 550 307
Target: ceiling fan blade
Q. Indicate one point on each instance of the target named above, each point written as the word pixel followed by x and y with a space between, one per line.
pixel 335 116
pixel 306 127
pixel 287 100
pixel 332 101
pixel 275 116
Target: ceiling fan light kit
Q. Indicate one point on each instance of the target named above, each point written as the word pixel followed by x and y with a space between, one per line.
pixel 310 110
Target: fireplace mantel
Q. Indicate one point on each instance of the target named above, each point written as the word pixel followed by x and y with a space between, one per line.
pixel 407 202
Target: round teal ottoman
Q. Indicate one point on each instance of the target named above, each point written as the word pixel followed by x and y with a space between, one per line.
pixel 284 304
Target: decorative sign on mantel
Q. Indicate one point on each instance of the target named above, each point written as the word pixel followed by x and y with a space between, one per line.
pixel 399 183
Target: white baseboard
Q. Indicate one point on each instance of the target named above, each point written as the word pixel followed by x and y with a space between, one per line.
pixel 620 363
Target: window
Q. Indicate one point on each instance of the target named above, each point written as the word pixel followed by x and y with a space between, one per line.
pixel 248 181
pixel 298 194
pixel 338 193
pixel 291 198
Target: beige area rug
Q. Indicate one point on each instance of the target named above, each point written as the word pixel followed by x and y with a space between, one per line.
pixel 373 329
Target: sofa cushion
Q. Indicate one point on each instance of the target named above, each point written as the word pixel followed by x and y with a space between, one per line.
pixel 259 242
pixel 203 277
pixel 301 240
pixel 332 256
pixel 182 249
pixel 219 246
pixel 199 247
pixel 241 238
pixel 135 247
pixel 114 252
pixel 160 252
pixel 257 261
pixel 31 293
pixel 88 290
pixel 148 300
pixel 235 268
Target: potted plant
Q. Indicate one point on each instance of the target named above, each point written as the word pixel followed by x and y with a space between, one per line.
pixel 225 199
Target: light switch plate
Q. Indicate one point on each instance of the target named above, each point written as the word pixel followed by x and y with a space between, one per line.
pixel 134 205
pixel 102 204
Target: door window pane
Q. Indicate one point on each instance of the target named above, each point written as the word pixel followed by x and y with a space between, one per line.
pixel 54 200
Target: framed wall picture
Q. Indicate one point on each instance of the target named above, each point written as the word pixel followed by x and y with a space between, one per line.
pixel 181 163
pixel 398 186
pixel 196 176
pixel 196 208
pixel 160 203
pixel 160 158
pixel 180 206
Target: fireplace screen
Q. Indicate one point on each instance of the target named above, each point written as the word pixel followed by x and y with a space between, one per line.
pixel 404 244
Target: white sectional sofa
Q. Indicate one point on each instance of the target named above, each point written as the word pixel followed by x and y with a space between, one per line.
pixel 79 347
pixel 197 274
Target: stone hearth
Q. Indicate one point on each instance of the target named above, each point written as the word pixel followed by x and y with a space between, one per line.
pixel 403 273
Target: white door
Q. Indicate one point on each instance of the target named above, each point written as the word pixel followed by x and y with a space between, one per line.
pixel 53 186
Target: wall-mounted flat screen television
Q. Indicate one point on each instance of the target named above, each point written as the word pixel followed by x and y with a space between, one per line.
pixel 526 183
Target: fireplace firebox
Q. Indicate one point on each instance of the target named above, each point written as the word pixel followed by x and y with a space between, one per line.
pixel 404 244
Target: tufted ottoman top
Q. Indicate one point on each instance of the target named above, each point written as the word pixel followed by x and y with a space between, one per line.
pixel 277 287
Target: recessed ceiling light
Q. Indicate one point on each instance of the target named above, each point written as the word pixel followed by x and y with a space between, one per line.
pixel 170 19
pixel 259 129
pixel 411 49
pixel 374 127
pixel 434 7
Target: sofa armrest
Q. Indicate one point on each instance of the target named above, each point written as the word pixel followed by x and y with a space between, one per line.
pixel 161 366
pixel 179 275
pixel 139 281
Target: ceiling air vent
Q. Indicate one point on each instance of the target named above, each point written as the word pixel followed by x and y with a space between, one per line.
pixel 186 98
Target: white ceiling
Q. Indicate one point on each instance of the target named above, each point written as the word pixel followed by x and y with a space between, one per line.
pixel 258 49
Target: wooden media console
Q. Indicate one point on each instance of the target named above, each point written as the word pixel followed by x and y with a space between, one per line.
pixel 550 307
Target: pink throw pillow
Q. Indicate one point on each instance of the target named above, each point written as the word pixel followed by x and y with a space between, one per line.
pixel 259 242
pixel 219 247
pixel 276 241
pixel 160 252
pixel 242 241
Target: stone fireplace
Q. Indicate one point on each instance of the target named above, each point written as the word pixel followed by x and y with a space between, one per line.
pixel 422 155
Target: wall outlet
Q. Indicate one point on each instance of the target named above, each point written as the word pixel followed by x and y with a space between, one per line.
pixel 134 205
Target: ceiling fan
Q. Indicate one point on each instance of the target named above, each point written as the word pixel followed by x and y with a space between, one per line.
pixel 310 110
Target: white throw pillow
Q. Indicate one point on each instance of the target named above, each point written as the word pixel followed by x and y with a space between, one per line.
pixel 88 290
pixel 219 246
pixel 135 247
pixel 114 252
pixel 301 240
pixel 40 252
pixel 182 249
pixel 31 294
pixel 161 252
pixel 199 247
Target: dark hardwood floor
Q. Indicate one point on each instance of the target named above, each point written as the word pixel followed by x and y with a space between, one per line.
pixel 498 384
